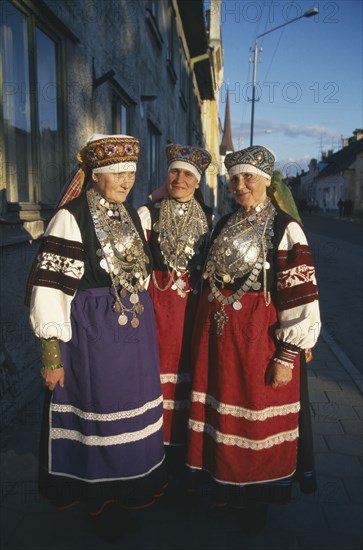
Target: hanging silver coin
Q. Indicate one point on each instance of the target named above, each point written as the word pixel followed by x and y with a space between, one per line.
pixel 267 265
pixel 135 322
pixel 237 305
pixel 99 252
pixel 123 293
pixel 210 297
pixel 134 298
pixel 226 278
pixel 256 285
pixel 103 264
pixel 139 308
pixel 122 320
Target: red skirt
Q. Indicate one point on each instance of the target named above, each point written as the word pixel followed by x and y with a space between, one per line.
pixel 174 324
pixel 241 430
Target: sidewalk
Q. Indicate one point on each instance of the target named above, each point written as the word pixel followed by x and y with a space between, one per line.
pixel 329 520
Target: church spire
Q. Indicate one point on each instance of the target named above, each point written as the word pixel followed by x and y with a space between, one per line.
pixel 227 134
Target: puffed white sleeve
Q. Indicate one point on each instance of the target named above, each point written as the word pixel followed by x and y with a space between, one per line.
pixel 297 293
pixel 55 277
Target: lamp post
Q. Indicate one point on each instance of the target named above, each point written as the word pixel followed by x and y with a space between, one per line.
pixel 308 13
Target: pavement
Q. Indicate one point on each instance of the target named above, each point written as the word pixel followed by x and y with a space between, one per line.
pixel 329 520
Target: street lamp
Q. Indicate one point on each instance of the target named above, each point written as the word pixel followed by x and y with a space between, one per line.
pixel 308 13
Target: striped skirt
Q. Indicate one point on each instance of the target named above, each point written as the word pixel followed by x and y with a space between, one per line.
pixel 102 435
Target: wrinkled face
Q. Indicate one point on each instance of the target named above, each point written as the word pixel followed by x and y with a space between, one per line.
pixel 114 186
pixel 249 190
pixel 181 184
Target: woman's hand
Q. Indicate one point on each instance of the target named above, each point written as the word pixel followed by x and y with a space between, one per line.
pixel 278 374
pixel 53 377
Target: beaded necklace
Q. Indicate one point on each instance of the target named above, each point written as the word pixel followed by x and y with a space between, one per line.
pixel 183 234
pixel 240 248
pixel 122 254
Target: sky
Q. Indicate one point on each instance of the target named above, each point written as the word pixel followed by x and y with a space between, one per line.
pixel 308 78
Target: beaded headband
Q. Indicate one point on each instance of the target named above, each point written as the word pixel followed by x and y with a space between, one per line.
pixel 113 153
pixel 256 160
pixel 190 158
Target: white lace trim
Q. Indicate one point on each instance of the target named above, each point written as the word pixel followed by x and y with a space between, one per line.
pixel 176 378
pixel 169 404
pixel 243 442
pixel 120 415
pixel 104 441
pixel 242 412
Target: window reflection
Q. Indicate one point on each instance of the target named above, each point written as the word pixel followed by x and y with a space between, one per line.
pixel 16 104
pixel 48 135
pixel 32 140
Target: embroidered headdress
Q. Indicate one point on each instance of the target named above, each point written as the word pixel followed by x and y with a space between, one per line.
pixel 194 159
pixel 114 153
pixel 102 154
pixel 256 160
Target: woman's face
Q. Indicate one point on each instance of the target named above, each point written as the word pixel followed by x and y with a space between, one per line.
pixel 114 186
pixel 181 184
pixel 249 190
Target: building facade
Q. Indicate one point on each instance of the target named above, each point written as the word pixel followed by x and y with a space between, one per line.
pixel 70 69
pixel 336 176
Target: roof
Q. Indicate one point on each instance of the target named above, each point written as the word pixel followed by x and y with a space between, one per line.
pixel 341 160
pixel 227 133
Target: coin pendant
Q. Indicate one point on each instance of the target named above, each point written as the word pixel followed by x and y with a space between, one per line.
pixel 256 285
pixel 237 305
pixel 134 298
pixel 122 319
pixel 139 308
pixel 103 264
pixel 123 293
pixel 210 297
pixel 226 278
pixel 135 322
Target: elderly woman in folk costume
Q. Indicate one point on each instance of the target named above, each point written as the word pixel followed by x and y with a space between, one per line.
pixel 177 229
pixel 249 423
pixel 102 435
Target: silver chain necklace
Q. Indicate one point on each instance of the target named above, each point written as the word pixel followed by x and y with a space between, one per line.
pixel 122 254
pixel 183 234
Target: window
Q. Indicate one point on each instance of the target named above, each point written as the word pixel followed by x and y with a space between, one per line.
pixel 171 46
pixel 30 116
pixel 184 78
pixel 121 115
pixel 154 17
pixel 153 157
